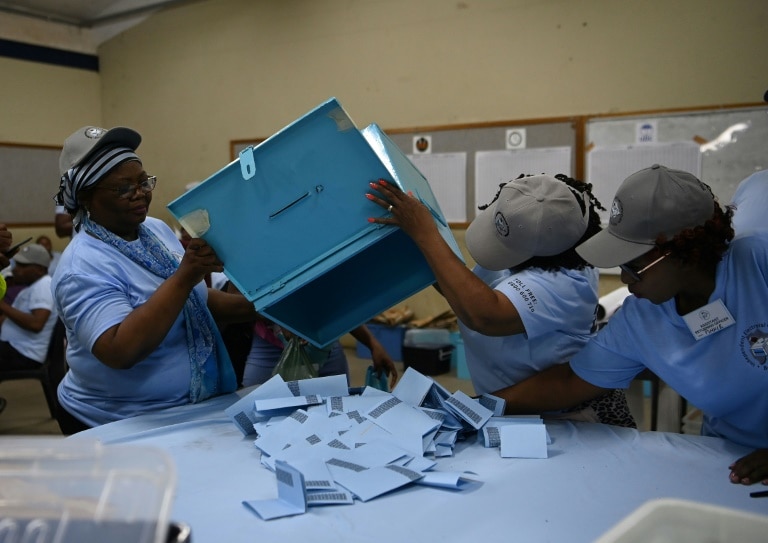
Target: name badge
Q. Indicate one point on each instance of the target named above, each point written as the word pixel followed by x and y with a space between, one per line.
pixel 709 319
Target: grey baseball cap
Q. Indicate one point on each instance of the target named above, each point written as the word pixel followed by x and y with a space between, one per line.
pixel 654 201
pixel 532 216
pixel 85 141
pixel 33 254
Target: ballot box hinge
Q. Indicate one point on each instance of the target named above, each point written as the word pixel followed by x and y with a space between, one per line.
pixel 276 286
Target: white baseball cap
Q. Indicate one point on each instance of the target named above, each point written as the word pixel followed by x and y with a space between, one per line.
pixel 33 254
pixel 85 141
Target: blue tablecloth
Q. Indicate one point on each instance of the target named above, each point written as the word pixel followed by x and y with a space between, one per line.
pixel 594 476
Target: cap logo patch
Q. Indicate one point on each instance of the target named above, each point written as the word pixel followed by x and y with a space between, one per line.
pixel 94 133
pixel 501 224
pixel 617 212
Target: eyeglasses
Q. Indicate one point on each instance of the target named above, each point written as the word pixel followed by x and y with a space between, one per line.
pixel 636 274
pixel 126 191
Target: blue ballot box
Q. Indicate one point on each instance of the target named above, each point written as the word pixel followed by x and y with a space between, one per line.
pixel 289 219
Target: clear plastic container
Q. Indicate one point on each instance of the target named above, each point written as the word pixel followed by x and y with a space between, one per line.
pixel 426 337
pixel 680 521
pixel 77 490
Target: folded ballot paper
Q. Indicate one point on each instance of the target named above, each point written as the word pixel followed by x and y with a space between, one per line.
pixel 289 220
pixel 329 447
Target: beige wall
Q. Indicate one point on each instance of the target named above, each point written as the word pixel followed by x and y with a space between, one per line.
pixel 42 104
pixel 191 79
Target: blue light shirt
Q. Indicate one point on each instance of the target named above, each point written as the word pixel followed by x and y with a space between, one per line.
pixel 31 344
pixel 558 310
pixel 725 374
pixel 96 287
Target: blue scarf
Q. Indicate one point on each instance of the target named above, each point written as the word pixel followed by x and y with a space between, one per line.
pixel 211 368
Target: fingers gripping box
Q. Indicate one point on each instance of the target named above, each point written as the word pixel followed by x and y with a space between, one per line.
pixel 289 220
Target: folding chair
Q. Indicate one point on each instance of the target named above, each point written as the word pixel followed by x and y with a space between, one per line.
pixel 51 372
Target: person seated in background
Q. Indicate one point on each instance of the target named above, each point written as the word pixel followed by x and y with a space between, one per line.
pixel 10 288
pixel 6 240
pixel 530 302
pixel 27 325
pixel 267 347
pixel 697 316
pixel 62 221
pixel 140 322
pixel 45 241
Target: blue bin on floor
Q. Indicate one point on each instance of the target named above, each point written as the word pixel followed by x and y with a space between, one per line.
pixel 289 219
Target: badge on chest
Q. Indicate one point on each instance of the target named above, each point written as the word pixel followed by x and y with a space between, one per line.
pixel 709 319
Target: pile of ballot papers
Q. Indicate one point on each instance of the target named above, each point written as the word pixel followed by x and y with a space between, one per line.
pixel 328 445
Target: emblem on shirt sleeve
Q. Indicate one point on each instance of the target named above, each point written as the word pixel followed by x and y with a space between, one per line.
pixel 758 345
pixel 754 345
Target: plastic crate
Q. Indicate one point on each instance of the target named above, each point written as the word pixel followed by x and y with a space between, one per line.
pixel 681 521
pixel 54 490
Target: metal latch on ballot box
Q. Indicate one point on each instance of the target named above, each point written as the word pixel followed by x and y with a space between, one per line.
pixel 247 163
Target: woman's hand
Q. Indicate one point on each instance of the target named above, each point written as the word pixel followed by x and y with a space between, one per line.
pixel 383 364
pixel 412 216
pixel 199 260
pixel 750 469
pixel 143 329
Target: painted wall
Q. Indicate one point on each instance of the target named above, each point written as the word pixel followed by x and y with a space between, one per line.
pixel 193 78
pixel 42 104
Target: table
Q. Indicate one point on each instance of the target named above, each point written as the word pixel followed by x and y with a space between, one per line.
pixel 594 476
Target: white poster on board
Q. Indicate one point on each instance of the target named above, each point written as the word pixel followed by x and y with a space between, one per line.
pixel 492 168
pixel 607 166
pixel 447 177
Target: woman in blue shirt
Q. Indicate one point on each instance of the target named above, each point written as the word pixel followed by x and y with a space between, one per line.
pixel 531 301
pixel 140 321
pixel 697 316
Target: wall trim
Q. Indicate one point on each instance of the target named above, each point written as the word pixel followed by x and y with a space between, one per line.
pixel 48 55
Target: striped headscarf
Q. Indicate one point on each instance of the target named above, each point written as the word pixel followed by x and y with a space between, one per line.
pixel 88 173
